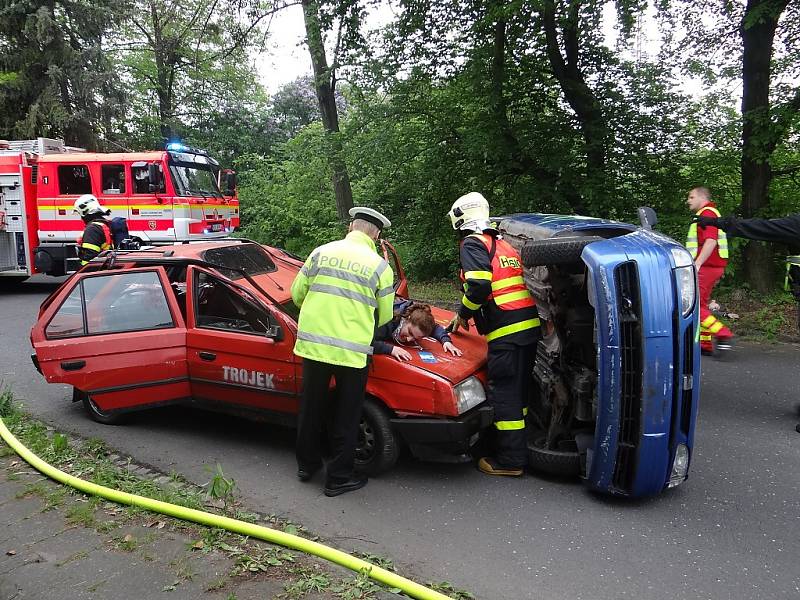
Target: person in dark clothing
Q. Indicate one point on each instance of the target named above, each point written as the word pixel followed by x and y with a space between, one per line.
pixel 785 230
pixel 504 311
pixel 412 321
pixel 97 234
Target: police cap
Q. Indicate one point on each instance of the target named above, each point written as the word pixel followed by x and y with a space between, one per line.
pixel 371 216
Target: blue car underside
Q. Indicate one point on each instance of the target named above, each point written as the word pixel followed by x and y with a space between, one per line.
pixel 615 388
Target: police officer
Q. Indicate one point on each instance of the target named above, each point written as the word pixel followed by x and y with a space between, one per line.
pixel 344 291
pixel 96 235
pixel 505 312
pixel 784 230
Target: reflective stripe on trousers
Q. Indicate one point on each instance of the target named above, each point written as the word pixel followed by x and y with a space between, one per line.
pixel 513 328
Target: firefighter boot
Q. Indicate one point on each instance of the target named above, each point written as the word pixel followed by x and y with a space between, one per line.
pixel 490 466
pixel 723 340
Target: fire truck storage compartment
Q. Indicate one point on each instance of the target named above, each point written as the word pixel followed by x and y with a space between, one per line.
pixel 12 224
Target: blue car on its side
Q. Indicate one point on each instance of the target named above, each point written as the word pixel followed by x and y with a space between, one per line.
pixel 618 368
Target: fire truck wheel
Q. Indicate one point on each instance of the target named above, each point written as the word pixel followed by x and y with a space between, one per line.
pixel 98 414
pixel 377 448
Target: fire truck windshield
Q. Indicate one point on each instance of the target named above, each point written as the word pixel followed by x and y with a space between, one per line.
pixel 193 175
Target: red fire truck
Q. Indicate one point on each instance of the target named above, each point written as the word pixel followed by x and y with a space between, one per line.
pixel 167 196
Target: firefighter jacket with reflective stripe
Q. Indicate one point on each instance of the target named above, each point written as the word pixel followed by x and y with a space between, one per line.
pixel 344 291
pixel 722 240
pixel 494 290
pixel 95 239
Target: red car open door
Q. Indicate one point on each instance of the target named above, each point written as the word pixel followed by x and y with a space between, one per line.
pixel 238 349
pixel 116 335
pixel 400 282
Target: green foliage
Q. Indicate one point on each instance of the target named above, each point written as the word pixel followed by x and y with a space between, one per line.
pixel 7 407
pixel 221 487
pixel 60 444
pixel 56 75
pixel 288 201
pixel 261 560
pixel 359 587
pixel 452 591
pixel 438 103
pixel 307 583
pixel 82 513
pixel 187 62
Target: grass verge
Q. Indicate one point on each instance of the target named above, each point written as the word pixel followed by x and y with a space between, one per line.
pixel 248 559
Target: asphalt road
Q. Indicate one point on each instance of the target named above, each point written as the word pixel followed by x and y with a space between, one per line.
pixel 731 531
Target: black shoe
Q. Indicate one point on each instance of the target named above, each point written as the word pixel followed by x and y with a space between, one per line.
pixel 304 474
pixel 354 483
pixel 797 429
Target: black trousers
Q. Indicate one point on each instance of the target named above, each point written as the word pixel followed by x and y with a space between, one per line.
pixel 509 369
pixel 343 428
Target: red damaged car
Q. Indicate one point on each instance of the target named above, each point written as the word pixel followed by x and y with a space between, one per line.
pixel 213 325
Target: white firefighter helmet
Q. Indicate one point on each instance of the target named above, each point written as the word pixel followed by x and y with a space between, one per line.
pixel 470 212
pixel 88 205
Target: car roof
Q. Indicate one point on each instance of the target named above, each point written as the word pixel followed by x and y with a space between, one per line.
pixel 277 284
pixel 185 250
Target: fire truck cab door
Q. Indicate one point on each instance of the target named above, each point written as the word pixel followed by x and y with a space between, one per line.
pixel 117 335
pixel 239 350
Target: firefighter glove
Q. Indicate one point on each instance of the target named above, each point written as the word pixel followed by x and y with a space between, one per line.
pixel 704 221
pixel 456 323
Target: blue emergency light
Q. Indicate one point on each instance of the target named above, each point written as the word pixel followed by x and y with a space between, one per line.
pixel 179 147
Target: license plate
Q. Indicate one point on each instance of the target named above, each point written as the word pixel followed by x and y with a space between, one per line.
pixel 216 227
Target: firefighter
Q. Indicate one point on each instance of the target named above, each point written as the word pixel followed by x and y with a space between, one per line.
pixel 785 230
pixel 96 235
pixel 344 291
pixel 504 311
pixel 709 249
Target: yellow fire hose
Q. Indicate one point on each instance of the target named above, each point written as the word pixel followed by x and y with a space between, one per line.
pixel 413 589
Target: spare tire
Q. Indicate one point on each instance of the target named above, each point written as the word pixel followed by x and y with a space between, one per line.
pixel 555 251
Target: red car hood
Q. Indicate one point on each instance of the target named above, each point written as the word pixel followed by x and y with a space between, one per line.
pixel 453 368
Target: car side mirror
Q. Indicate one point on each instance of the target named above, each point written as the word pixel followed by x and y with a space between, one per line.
pixel 275 332
pixel 154 177
pixel 647 217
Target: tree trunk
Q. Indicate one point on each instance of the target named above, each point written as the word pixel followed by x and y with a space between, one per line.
pixel 162 75
pixel 588 108
pixel 325 86
pixel 759 138
pixel 512 158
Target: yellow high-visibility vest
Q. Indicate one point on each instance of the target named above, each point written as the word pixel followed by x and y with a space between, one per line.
pixel 343 290
pixel 691 239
